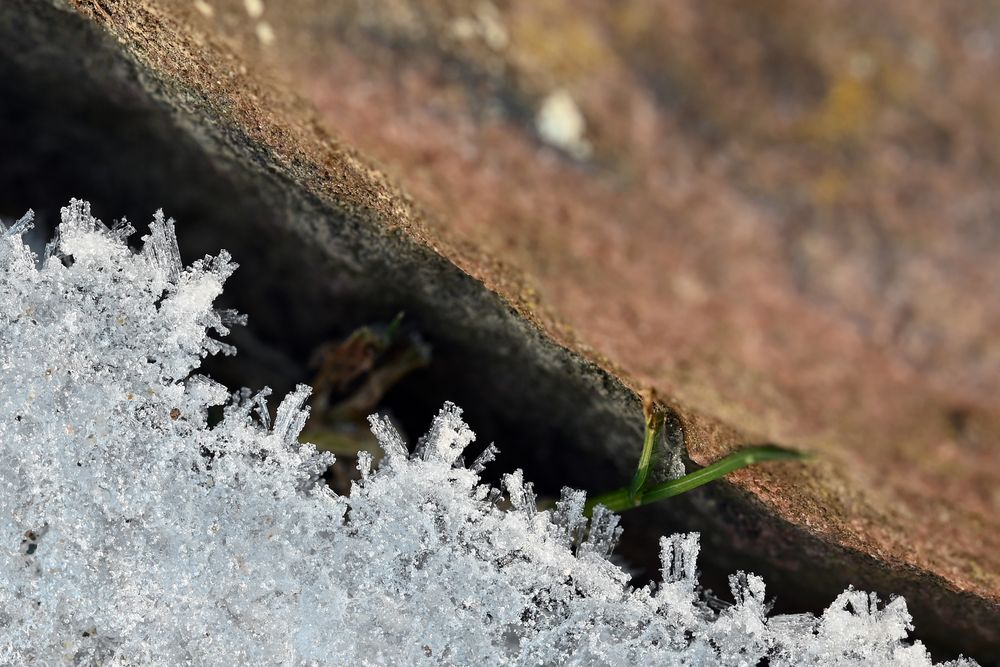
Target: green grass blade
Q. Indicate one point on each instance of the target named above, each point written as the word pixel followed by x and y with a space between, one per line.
pixel 393 327
pixel 616 501
pixel 623 499
pixel 651 440
pixel 722 467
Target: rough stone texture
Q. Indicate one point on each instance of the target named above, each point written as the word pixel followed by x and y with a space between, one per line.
pixel 785 221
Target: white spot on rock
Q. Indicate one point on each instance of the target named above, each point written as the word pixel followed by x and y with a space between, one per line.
pixel 560 123
pixel 255 8
pixel 204 8
pixel 265 33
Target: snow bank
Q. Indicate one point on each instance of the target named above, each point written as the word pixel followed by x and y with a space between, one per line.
pixel 133 531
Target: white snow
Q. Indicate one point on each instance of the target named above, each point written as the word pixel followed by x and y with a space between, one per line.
pixel 133 532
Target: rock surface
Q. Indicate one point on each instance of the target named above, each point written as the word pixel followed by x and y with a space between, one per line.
pixel 782 217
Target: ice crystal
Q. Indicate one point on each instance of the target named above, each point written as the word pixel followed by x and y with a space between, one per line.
pixel 134 531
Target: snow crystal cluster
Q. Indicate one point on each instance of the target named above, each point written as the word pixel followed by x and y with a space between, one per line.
pixel 137 531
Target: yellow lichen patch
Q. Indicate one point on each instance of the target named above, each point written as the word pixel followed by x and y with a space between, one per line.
pixel 830 187
pixel 549 36
pixel 632 19
pixel 847 111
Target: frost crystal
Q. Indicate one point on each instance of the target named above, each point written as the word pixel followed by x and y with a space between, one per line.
pixel 136 532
